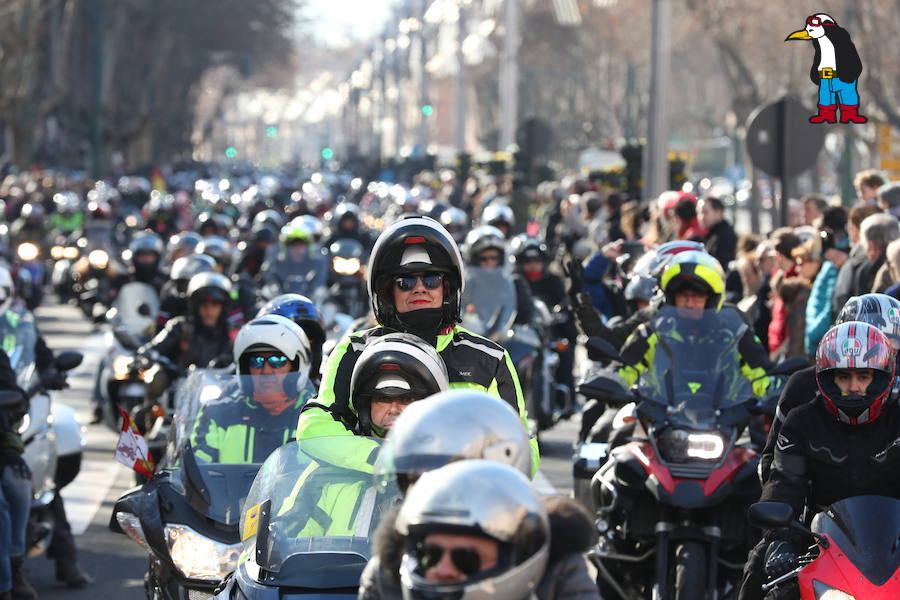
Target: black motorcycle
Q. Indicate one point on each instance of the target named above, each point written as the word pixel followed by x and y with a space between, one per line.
pixel 670 501
pixel 347 284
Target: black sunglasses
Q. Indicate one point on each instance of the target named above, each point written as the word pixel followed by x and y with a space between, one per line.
pixel 466 560
pixel 489 258
pixel 431 281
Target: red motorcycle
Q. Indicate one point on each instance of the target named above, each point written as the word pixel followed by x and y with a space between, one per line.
pixel 856 555
pixel 671 501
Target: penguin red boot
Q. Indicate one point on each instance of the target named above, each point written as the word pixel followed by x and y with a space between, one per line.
pixel 849 114
pixel 827 114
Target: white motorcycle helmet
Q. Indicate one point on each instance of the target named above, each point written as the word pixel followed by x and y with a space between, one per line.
pixel 7 290
pixel 478 498
pixel 453 425
pixel 273 333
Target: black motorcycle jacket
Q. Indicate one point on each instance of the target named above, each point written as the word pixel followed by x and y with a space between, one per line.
pixel 819 460
pixel 588 319
pixel 800 389
pixel 185 343
pixel 551 289
pixel 171 305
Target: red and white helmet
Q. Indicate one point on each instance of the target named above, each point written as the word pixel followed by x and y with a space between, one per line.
pixel 855 345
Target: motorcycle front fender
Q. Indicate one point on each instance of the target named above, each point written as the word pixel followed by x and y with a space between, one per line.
pixel 71 436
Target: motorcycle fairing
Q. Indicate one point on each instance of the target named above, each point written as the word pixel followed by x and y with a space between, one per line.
pixel 833 568
pixel 687 493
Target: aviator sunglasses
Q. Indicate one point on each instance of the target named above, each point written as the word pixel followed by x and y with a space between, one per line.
pixel 276 361
pixel 466 560
pixel 431 281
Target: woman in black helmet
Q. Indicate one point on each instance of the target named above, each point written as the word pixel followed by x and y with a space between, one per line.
pixel 415 280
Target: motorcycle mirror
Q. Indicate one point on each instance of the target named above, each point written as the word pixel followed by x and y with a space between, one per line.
pixel 144 310
pixel 601 350
pixel 605 388
pixel 789 365
pixel 771 515
pixel 66 361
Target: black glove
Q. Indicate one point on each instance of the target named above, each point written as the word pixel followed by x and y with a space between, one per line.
pixel 781 558
pixel 12 459
pixel 575 274
pixel 54 379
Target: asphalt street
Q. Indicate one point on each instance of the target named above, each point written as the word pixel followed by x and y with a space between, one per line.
pixel 115 561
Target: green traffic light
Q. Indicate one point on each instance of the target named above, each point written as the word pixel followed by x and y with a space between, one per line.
pixel 230 152
pixel 428 110
pixel 271 131
pixel 327 153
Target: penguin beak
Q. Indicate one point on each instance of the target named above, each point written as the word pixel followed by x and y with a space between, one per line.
pixel 799 35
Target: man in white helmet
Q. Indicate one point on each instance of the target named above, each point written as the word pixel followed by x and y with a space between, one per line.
pixel 272 358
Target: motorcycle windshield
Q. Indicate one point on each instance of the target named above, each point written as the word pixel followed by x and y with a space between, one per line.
pixel 137 306
pixel 308 522
pixel 866 529
pixel 18 336
pixel 695 367
pixel 489 301
pixel 223 428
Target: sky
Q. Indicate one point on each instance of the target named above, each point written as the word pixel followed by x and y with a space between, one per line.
pixel 337 22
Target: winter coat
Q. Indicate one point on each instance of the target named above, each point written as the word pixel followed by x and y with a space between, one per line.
pixel 565 578
pixel 819 313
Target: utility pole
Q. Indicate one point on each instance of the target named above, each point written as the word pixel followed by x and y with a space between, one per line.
pixel 509 76
pixel 656 164
pixel 423 79
pixel 459 126
pixel 96 124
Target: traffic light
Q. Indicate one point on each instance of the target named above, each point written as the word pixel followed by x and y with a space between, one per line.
pixel 327 153
pixel 427 110
pixel 230 152
pixel 271 131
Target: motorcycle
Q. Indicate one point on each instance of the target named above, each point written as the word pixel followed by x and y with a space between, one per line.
pixel 91 283
pixel 53 438
pixel 670 503
pixel 347 287
pixel 30 274
pixel 855 552
pixel 489 309
pixel 121 382
pixel 186 516
pixel 288 551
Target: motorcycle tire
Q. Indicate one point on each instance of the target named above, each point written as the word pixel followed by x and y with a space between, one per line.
pixel 690 571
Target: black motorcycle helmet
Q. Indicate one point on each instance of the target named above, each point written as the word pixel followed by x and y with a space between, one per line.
pixel 344 211
pixel 524 247
pixel 182 244
pixel 394 365
pixel 302 311
pixel 411 245
pixel 263 233
pixel 204 287
pixel 143 243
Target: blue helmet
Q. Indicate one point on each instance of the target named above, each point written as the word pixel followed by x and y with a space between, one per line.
pixel 302 311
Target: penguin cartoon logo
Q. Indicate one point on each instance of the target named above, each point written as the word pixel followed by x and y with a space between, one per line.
pixel 835 69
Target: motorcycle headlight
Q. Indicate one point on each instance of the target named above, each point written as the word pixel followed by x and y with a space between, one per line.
pixel 197 556
pixel 131 525
pixel 98 259
pixel 56 252
pixel 70 253
pixel 826 592
pixel 681 445
pixel 28 251
pixel 121 367
pixel 345 266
